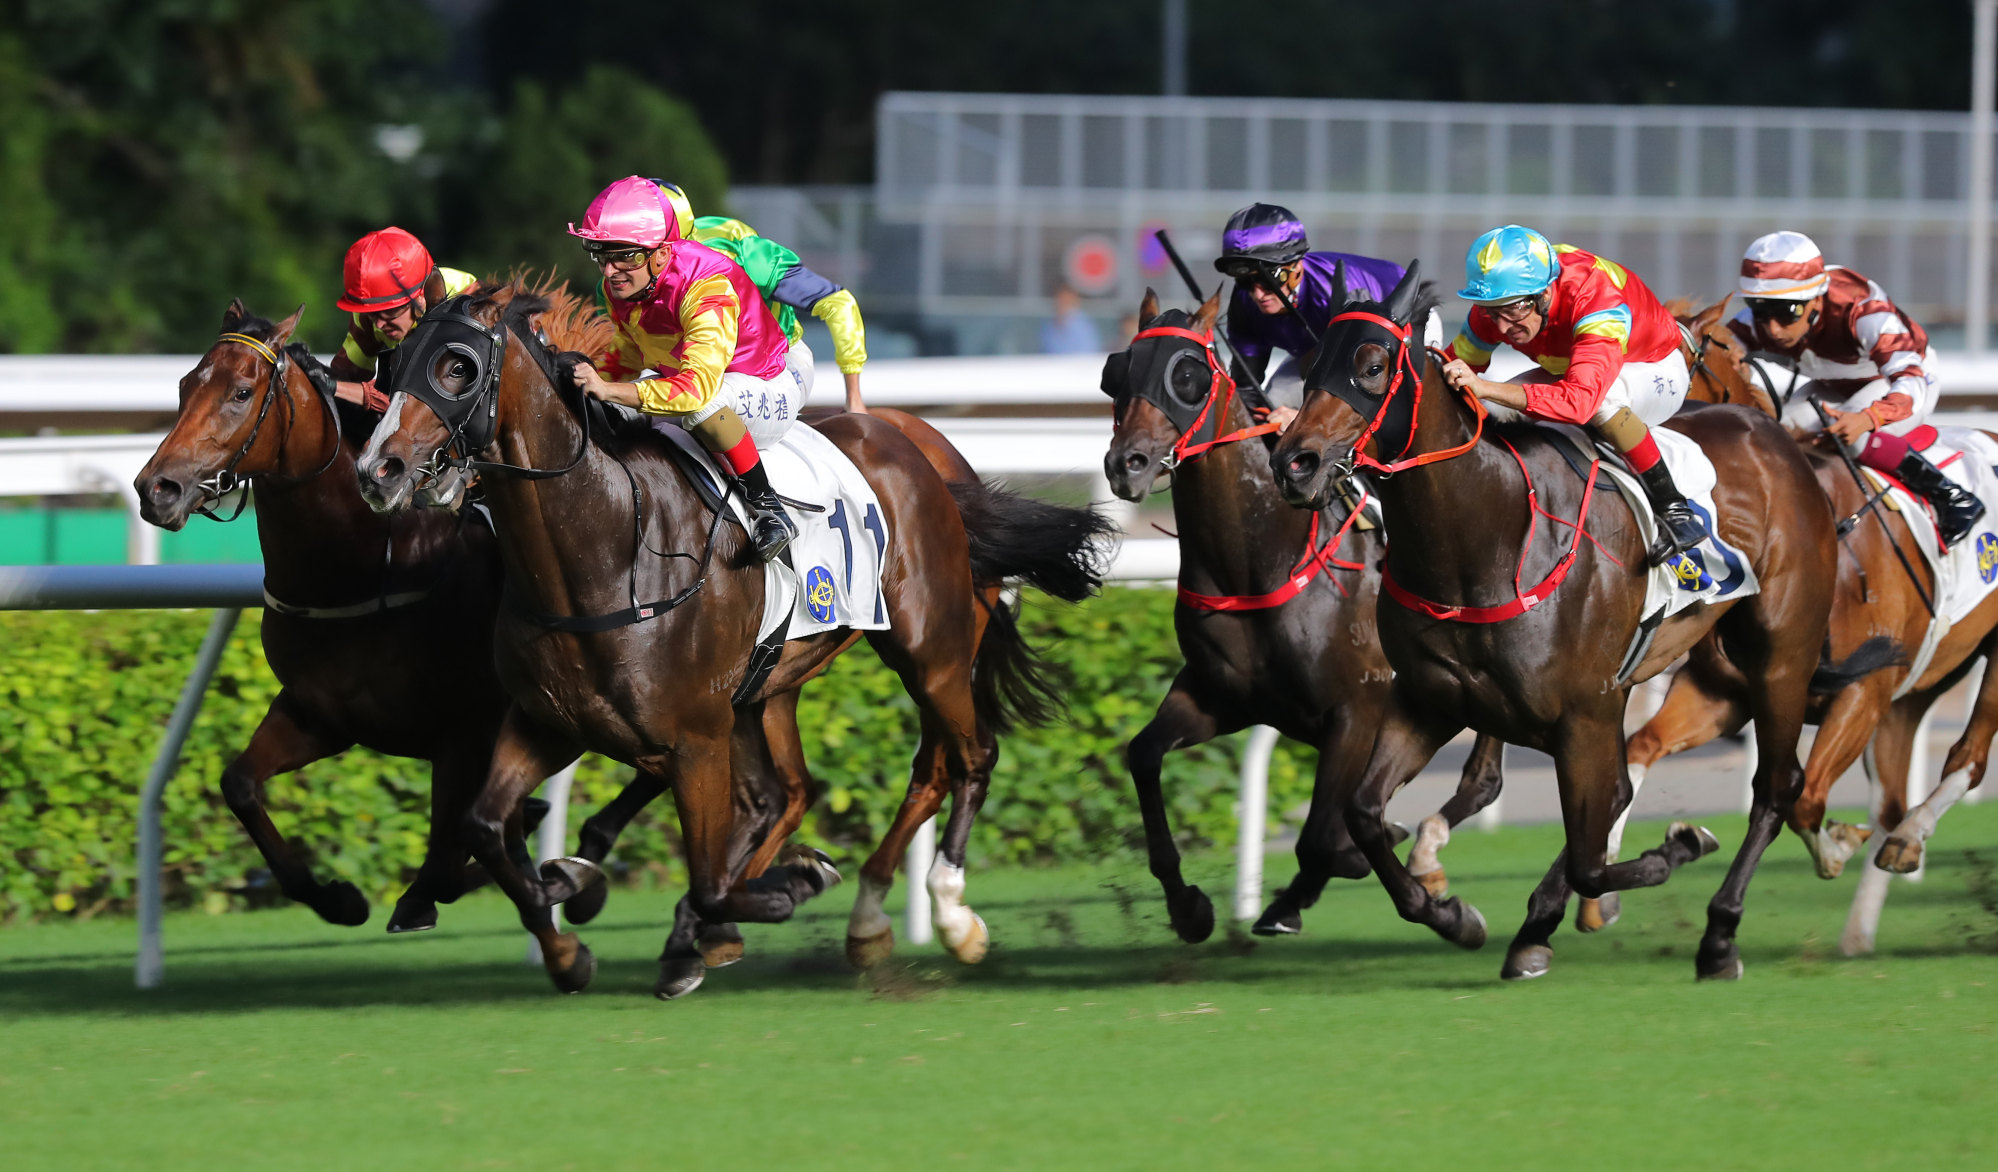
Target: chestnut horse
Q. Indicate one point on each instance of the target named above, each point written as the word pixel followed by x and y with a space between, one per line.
pixel 651 684
pixel 1546 665
pixel 360 608
pixel 1880 610
pixel 1275 617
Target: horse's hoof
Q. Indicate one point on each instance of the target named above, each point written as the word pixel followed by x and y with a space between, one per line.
pixel 1900 855
pixel 1855 943
pixel 971 945
pixel 812 859
pixel 864 952
pixel 721 945
pixel 1524 964
pixel 1279 919
pixel 581 968
pixel 342 903
pixel 1835 845
pixel 532 811
pixel 1192 915
pixel 584 906
pixel 412 916
pixel 1469 932
pixel 1397 833
pixel 1596 914
pixel 1698 839
pixel 1436 883
pixel 565 878
pixel 1722 965
pixel 679 977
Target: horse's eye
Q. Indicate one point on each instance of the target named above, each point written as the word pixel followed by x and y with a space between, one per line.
pixel 1375 370
pixel 242 393
pixel 461 369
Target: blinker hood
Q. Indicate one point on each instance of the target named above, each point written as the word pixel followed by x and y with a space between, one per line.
pixel 472 415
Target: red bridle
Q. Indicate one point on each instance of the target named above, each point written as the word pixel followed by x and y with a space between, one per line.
pixel 1220 390
pixel 1405 367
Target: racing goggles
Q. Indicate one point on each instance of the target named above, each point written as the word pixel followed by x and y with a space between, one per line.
pixel 1247 270
pixel 624 257
pixel 1775 309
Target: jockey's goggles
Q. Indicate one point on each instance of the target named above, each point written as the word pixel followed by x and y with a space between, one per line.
pixel 1779 310
pixel 1515 312
pixel 624 257
pixel 1248 270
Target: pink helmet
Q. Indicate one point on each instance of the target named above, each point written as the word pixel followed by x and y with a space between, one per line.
pixel 630 211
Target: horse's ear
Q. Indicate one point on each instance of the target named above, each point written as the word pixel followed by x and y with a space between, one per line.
pixel 1148 308
pixel 1338 284
pixel 1209 311
pixel 235 315
pixel 1401 302
pixel 1712 315
pixel 282 334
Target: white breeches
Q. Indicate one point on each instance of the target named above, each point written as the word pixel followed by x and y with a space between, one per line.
pixel 1654 391
pixel 768 406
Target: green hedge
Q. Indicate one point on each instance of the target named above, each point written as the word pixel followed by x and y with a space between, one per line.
pixel 86 697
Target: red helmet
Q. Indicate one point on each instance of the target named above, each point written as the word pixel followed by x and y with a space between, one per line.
pixel 384 270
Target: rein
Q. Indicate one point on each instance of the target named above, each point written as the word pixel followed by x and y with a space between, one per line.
pixel 225 481
pixel 1314 562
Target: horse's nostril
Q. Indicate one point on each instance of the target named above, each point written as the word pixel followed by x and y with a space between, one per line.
pixel 1303 464
pixel 389 468
pixel 1136 462
pixel 163 491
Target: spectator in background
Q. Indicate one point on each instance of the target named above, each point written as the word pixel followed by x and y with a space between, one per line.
pixel 1069 331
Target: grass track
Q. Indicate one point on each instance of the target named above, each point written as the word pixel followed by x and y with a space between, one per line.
pixel 1087 1039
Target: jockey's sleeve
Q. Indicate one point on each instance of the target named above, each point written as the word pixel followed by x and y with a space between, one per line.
pixel 1887 341
pixel 1476 341
pixel 351 349
pixel 1574 397
pixel 709 313
pixel 801 288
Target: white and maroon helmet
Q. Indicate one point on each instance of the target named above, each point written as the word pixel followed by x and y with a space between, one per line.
pixel 1783 266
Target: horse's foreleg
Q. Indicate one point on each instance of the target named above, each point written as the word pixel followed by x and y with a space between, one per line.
pixel 1403 746
pixel 1842 736
pixel 524 755
pixel 282 743
pixel 721 944
pixel 1181 721
pixel 1478 786
pixel 456 775
pixel 1325 848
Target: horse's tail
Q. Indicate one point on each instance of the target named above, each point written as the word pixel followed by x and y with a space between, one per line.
pixel 1876 653
pixel 1057 549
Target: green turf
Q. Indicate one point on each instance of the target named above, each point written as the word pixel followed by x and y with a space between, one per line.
pixel 1087 1039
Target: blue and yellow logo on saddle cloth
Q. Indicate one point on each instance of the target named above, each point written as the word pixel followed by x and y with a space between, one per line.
pixel 1690 572
pixel 1987 557
pixel 819 594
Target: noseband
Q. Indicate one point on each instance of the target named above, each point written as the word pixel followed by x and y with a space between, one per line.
pixel 213 488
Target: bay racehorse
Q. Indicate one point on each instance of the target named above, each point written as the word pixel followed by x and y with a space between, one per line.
pixel 1275 616
pixel 359 608
pixel 1546 665
pixel 591 524
pixel 1882 609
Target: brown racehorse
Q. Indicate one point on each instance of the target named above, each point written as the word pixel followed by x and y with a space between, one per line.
pixel 361 607
pixel 582 521
pixel 1550 670
pixel 1305 661
pixel 1880 610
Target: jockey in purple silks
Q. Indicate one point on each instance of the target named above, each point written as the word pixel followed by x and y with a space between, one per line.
pixel 1264 248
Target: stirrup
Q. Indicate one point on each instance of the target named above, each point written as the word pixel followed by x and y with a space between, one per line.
pixel 771 529
pixel 1679 530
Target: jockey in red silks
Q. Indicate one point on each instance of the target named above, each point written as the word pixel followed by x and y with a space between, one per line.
pixel 1607 350
pixel 390 283
pixel 1855 347
pixel 694 319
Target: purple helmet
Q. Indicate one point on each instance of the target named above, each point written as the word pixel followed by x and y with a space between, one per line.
pixel 1259 236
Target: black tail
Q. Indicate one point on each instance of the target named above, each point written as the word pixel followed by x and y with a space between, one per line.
pixel 1011 684
pixel 1876 653
pixel 1060 550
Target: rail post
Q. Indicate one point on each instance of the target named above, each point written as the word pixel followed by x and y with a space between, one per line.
pixel 1253 810
pixel 916 870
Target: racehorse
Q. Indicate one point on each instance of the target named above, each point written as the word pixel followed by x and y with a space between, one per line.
pixel 358 607
pixel 1301 657
pixel 1881 609
pixel 654 684
pixel 1550 666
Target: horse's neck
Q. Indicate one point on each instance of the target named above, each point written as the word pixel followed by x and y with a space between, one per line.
pixel 1469 509
pixel 321 542
pixel 1236 535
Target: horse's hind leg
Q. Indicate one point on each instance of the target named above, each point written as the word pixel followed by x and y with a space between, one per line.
pixel 1324 847
pixel 1478 786
pixel 870 934
pixel 282 743
pixel 1848 725
pixel 1181 722
pixel 1962 771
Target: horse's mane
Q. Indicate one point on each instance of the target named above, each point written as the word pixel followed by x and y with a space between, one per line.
pixel 570 321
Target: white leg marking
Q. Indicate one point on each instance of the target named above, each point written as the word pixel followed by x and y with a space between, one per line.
pixel 1864 919
pixel 868 920
pixel 960 928
pixel 1431 836
pixel 1637 773
pixel 1921 821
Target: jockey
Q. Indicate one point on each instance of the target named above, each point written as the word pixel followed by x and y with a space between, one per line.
pixel 390 283
pixel 787 287
pixel 1856 347
pixel 1608 352
pixel 1264 249
pixel 690 314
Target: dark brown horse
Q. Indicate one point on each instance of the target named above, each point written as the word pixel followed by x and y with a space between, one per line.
pixel 1303 659
pixel 589 527
pixel 1879 612
pixel 1550 669
pixel 361 608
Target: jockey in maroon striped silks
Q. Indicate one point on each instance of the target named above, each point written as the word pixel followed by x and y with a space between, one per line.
pixel 1858 351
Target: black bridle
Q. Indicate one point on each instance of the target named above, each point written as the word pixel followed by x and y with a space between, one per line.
pixel 225 481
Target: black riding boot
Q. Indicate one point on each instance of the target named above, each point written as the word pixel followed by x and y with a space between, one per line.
pixel 770 527
pixel 1957 510
pixel 1679 527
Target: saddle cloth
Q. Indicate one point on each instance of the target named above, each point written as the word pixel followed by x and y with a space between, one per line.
pixel 834 576
pixel 1712 571
pixel 1966 574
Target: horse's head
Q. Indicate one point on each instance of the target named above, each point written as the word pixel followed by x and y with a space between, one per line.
pixel 1162 386
pixel 1721 372
pixel 239 410
pixel 1361 392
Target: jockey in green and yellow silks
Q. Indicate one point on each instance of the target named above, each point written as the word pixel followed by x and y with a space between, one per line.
pixel 786 284
pixel 389 282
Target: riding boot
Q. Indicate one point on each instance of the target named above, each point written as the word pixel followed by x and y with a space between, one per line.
pixel 724 433
pixel 1957 509
pixel 1679 527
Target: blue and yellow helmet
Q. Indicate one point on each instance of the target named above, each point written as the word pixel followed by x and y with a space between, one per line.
pixel 1506 264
